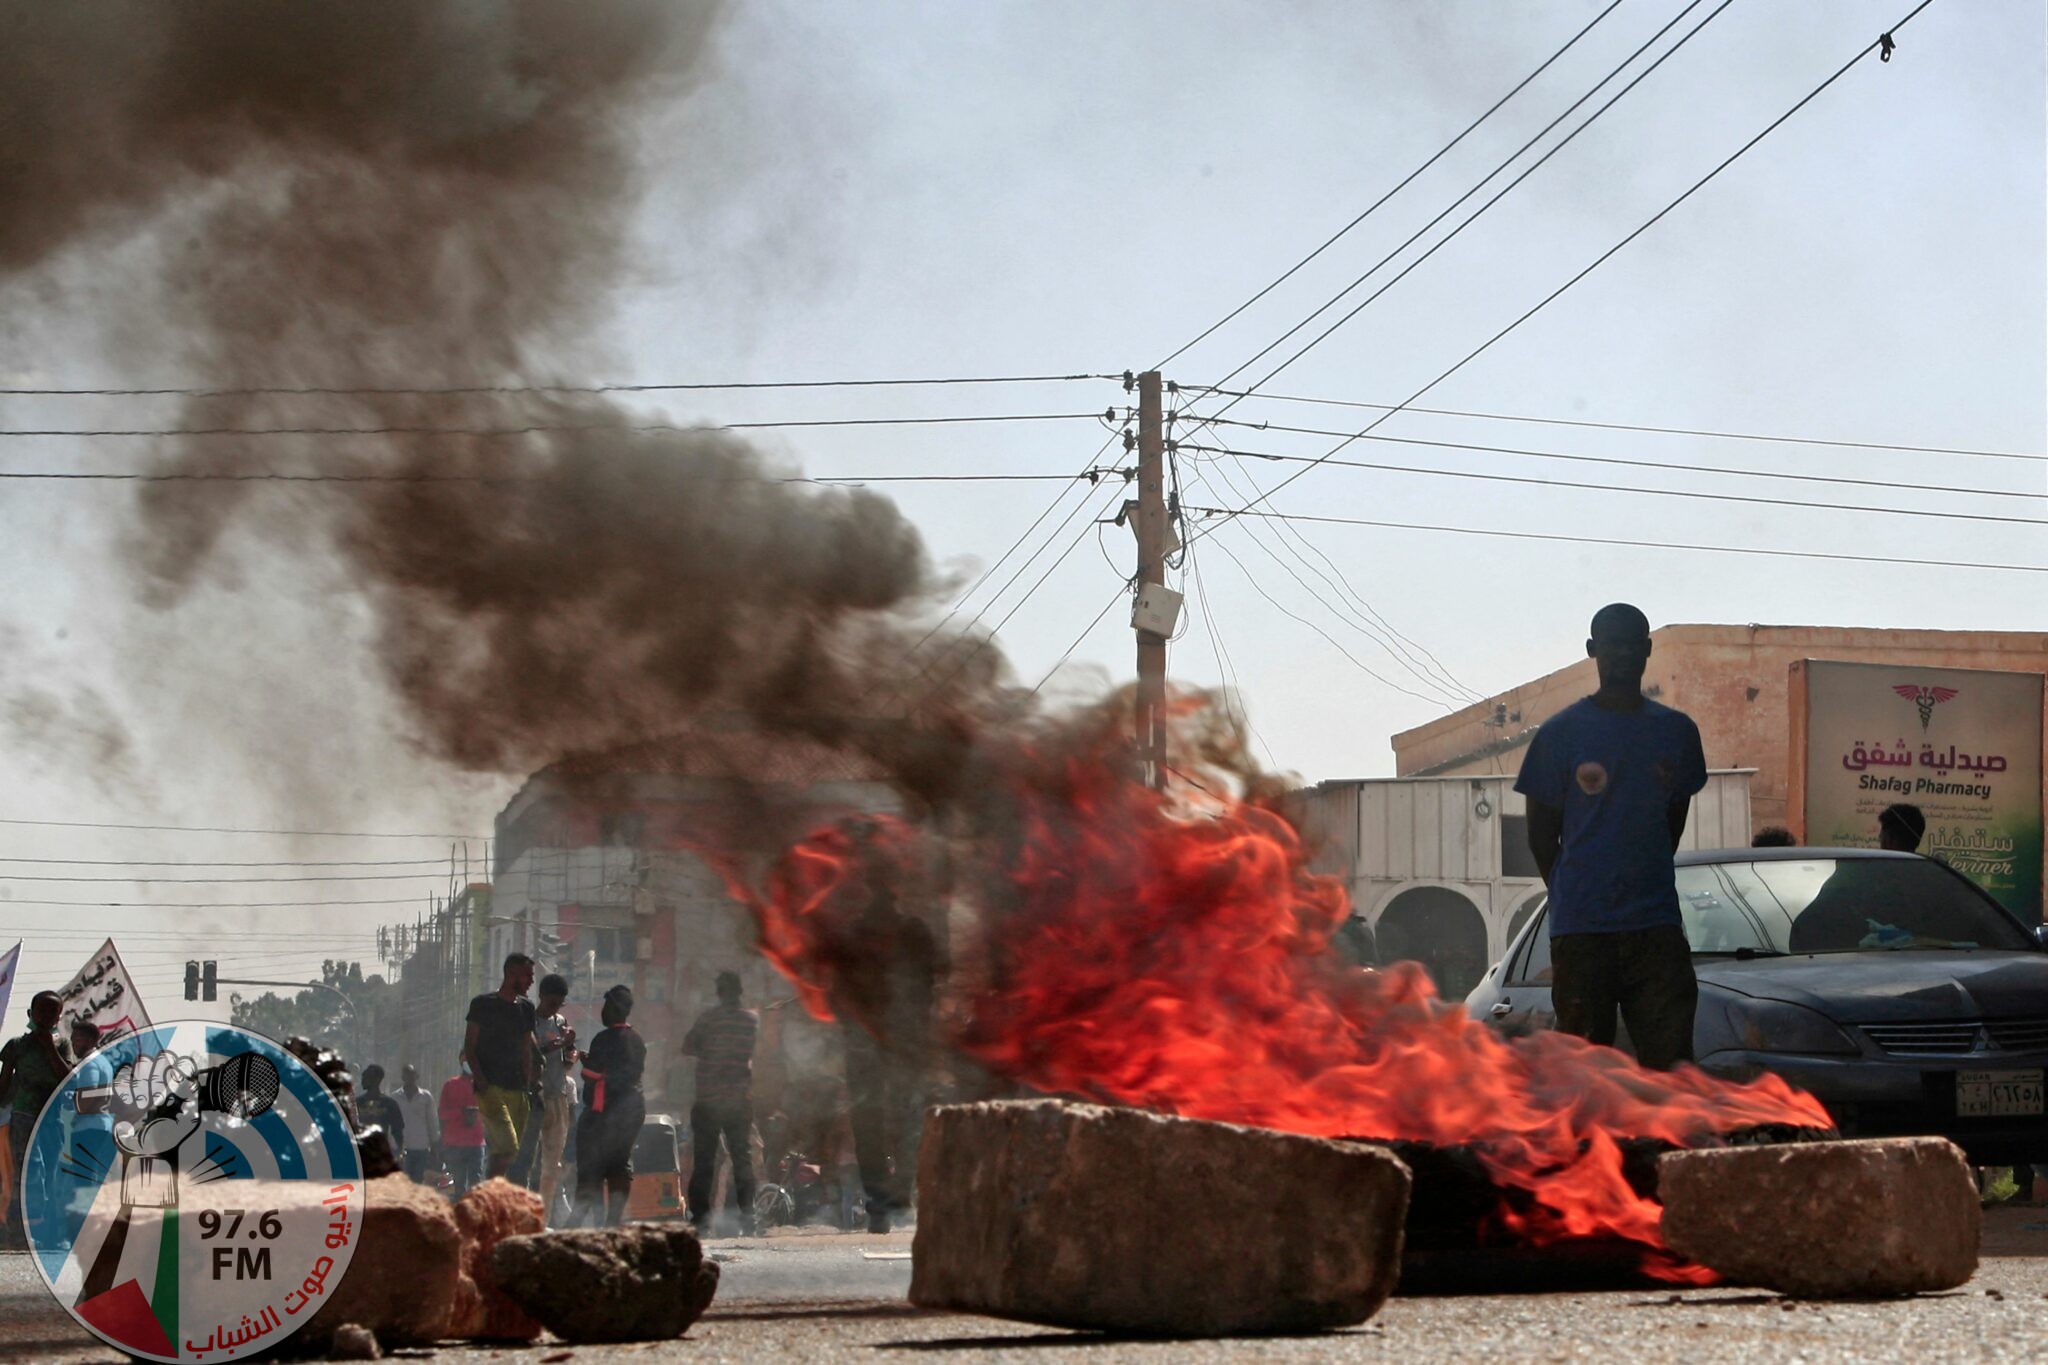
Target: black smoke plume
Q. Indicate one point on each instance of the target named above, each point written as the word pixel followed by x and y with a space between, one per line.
pixel 414 194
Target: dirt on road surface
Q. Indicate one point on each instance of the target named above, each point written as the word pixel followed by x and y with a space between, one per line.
pixel 841 1298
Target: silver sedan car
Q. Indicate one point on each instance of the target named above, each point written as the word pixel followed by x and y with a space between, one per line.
pixel 1885 984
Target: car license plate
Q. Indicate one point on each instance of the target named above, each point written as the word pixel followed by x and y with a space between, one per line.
pixel 1995 1094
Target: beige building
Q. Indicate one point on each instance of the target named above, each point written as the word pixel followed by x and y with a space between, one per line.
pixel 1730 679
pixel 1439 868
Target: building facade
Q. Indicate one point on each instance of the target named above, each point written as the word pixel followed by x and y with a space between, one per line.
pixel 1732 680
pixel 596 879
pixel 440 967
pixel 1439 868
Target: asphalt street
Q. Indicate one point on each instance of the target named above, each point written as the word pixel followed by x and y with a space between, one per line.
pixel 841 1298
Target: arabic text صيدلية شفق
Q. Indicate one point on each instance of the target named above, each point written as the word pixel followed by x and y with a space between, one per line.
pixel 1900 756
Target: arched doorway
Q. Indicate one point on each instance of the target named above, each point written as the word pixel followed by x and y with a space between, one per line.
pixel 1440 929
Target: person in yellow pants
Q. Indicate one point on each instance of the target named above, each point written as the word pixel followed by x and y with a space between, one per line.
pixel 500 1051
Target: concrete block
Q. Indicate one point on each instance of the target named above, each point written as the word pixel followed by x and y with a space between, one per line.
pixel 640 1282
pixel 1077 1215
pixel 402 1280
pixel 487 1215
pixel 1861 1219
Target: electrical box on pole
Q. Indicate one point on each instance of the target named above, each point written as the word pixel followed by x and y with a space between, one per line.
pixel 1153 547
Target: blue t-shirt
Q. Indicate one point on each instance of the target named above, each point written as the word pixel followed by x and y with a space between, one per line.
pixel 1614 774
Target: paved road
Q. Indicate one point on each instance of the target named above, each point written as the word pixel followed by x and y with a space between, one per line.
pixel 841 1299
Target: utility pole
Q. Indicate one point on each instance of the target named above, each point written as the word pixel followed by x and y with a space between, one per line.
pixel 1153 529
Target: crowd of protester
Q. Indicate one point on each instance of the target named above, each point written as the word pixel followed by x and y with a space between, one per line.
pixel 533 1103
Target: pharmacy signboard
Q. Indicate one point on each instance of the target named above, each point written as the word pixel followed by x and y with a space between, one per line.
pixel 1964 745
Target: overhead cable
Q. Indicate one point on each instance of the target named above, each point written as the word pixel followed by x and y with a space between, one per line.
pixel 1433 674
pixel 967 652
pixel 224 881
pixel 1479 212
pixel 1022 536
pixel 1448 690
pixel 1086 631
pixel 1531 480
pixel 1227 512
pixel 1605 256
pixel 212 905
pixel 1226 667
pixel 442 863
pixel 267 476
pixel 1404 182
pixel 539 428
pixel 1663 465
pixel 1616 426
pixel 361 390
pixel 1334 643
pixel 227 829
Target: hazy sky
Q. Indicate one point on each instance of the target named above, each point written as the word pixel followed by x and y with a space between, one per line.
pixel 898 189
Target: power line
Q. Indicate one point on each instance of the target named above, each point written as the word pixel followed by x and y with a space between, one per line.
pixel 1335 644
pixel 967 646
pixel 266 476
pixel 224 881
pixel 1526 479
pixel 404 390
pixel 1636 544
pixel 537 428
pixel 209 905
pixel 229 829
pixel 1479 212
pixel 1086 631
pixel 1086 472
pixel 1447 693
pixel 1265 495
pixel 1661 465
pixel 1390 640
pixel 1225 665
pixel 127 935
pixel 1018 606
pixel 1608 254
pixel 442 863
pixel 996 629
pixel 1405 181
pixel 105 931
pixel 1611 426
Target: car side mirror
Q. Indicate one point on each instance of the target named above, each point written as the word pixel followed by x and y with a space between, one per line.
pixel 2041 934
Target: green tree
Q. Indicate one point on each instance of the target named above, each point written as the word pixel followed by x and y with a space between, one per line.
pixel 340 1017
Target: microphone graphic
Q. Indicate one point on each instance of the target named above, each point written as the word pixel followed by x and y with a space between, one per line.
pixel 241 1087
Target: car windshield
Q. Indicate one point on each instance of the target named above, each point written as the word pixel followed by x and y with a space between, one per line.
pixel 1837 905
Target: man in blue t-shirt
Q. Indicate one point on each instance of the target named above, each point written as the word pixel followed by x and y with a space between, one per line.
pixel 1609 781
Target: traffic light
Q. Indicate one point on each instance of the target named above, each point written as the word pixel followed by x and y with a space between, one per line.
pixel 191 980
pixel 208 982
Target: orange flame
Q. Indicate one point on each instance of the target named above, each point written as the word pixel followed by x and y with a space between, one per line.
pixel 1150 956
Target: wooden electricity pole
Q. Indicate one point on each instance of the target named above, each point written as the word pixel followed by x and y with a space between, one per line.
pixel 1153 529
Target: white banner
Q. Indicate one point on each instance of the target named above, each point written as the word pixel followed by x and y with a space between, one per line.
pixel 103 992
pixel 9 962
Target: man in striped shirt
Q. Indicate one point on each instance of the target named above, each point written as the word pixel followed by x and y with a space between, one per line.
pixel 722 1041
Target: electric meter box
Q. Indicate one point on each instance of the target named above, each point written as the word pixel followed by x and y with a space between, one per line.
pixel 1157 609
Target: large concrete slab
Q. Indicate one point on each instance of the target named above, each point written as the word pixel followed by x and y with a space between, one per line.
pixel 1077 1215
pixel 1861 1219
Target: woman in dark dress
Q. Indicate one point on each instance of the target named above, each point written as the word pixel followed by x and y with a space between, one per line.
pixel 613 1109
